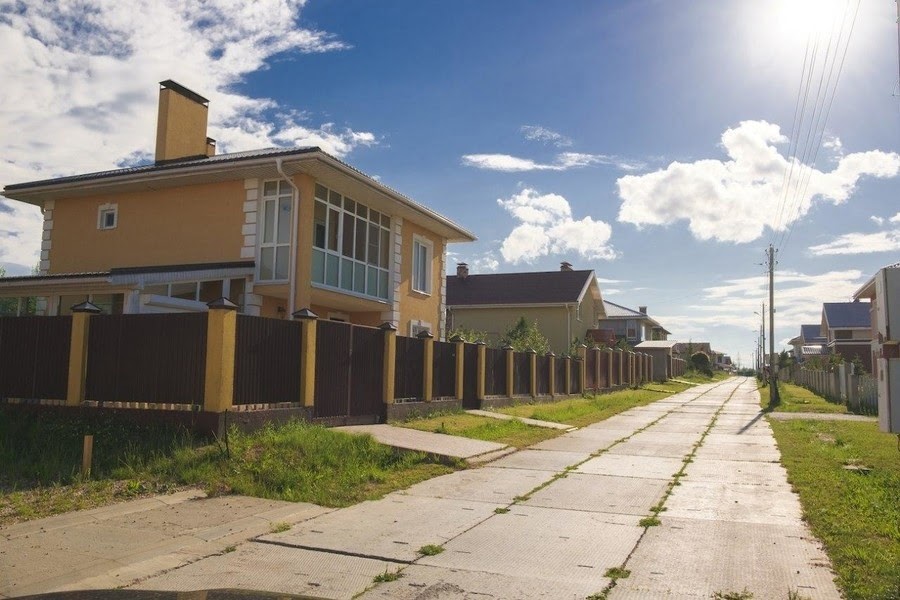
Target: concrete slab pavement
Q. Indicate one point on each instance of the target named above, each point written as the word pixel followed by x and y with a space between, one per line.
pixel 535 422
pixel 438 444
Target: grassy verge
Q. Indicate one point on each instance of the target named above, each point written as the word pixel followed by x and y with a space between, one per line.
pixel 39 459
pixel 856 513
pixel 513 433
pixel 584 411
pixel 799 399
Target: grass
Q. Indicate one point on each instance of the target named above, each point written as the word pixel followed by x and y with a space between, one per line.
pixel 430 550
pixel 745 594
pixel 856 514
pixel 387 576
pixel 279 527
pixel 512 432
pixel 649 521
pixel 799 399
pixel 40 458
pixel 617 573
pixel 579 412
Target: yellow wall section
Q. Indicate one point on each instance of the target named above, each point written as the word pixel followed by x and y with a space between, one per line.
pixel 191 224
pixel 415 306
pixel 552 323
pixel 306 210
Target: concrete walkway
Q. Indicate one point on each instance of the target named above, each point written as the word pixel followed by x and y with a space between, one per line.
pixel 438 444
pixel 549 521
pixel 534 422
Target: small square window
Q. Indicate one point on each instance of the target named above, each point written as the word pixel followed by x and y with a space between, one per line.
pixel 107 217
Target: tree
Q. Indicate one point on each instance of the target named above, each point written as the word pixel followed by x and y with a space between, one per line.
pixel 524 336
pixel 470 336
pixel 700 362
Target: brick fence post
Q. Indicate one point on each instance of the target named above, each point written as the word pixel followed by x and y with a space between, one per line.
pixel 460 365
pixel 389 367
pixel 481 369
pixel 78 351
pixel 532 371
pixel 218 390
pixel 308 327
pixel 510 370
pixel 427 364
pixel 551 376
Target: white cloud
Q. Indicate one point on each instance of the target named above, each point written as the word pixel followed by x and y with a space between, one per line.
pixel 895 218
pixel 735 200
pixel 486 263
pixel 877 220
pixel 859 243
pixel 542 134
pixel 547 227
pixel 85 92
pixel 563 162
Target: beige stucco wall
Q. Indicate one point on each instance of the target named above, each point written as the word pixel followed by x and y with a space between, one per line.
pixel 415 306
pixel 191 224
pixel 551 321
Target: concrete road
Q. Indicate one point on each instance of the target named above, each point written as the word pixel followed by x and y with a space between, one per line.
pixel 552 520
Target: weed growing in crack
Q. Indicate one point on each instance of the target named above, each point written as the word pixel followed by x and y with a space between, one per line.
pixel 387 576
pixel 430 550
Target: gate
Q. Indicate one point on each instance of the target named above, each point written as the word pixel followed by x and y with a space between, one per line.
pixel 349 374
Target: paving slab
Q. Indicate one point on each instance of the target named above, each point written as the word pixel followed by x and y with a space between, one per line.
pixel 606 435
pixel 570 443
pixel 553 545
pixel 662 437
pixel 623 465
pixel 742 451
pixel 273 568
pixel 393 528
pixel 533 422
pixel 541 460
pixel 670 449
pixel 671 426
pixel 730 471
pixel 689 559
pixel 485 484
pixel 601 493
pixel 425 441
pixel 421 582
pixel 718 501
pixel 715 437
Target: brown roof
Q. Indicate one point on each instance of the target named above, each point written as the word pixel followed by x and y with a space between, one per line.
pixel 551 287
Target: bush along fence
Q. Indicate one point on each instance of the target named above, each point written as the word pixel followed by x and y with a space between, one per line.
pixel 208 370
pixel 840 385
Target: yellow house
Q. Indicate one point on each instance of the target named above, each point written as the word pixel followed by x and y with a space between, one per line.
pixel 274 230
pixel 565 304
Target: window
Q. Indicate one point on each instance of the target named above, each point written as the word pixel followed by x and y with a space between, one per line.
pixel 277 207
pixel 107 216
pixel 351 245
pixel 417 327
pixel 843 334
pixel 421 264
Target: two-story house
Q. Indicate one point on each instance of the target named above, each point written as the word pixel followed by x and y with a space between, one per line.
pixel 809 343
pixel 274 230
pixel 847 329
pixel 633 326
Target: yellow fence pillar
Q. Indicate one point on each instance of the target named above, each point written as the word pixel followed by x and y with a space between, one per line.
pixel 308 329
pixel 551 376
pixel 582 354
pixel 481 370
pixel 621 365
pixel 510 370
pixel 609 367
pixel 596 352
pixel 390 362
pixel 78 351
pixel 218 391
pixel 532 371
pixel 428 365
pixel 460 365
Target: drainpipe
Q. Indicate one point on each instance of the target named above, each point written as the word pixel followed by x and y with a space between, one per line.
pixel 294 209
pixel 568 324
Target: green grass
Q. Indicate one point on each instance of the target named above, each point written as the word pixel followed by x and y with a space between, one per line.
pixel 512 432
pixel 430 550
pixel 40 458
pixel 856 515
pixel 799 399
pixel 579 412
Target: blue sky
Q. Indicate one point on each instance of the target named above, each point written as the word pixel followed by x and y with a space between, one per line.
pixel 645 140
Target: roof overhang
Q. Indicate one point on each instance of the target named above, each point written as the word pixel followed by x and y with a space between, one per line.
pixel 516 305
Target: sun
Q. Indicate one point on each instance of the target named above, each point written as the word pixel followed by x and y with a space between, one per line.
pixel 811 18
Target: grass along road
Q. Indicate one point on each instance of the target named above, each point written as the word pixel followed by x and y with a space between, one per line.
pixel 795 398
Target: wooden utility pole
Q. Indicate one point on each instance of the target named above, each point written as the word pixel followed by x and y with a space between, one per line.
pixel 773 363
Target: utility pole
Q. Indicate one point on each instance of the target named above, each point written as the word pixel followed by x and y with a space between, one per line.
pixel 773 364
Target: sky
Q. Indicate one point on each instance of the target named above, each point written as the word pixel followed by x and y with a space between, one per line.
pixel 664 145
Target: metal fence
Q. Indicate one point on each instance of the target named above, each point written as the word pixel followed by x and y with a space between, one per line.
pixel 410 370
pixel 444 374
pixel 542 376
pixel 34 357
pixel 521 373
pixel 267 361
pixel 495 372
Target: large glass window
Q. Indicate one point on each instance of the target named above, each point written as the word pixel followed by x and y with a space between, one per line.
pixel 275 242
pixel 351 245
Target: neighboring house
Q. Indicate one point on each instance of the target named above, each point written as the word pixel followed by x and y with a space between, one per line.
pixel 847 327
pixel 634 326
pixel 662 352
pixel 565 304
pixel 274 230
pixel 809 343
pixel 883 293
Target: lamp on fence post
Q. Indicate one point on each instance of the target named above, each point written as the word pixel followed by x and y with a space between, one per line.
pixel 481 369
pixel 460 365
pixel 221 329
pixel 78 351
pixel 308 330
pixel 427 364
pixel 551 376
pixel 390 362
pixel 510 369
pixel 532 371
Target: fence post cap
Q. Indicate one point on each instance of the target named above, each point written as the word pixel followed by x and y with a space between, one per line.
pixel 480 343
pixel 457 338
pixel 304 313
pixel 582 345
pixel 86 307
pixel 550 353
pixel 506 347
pixel 387 326
pixel 222 303
pixel 425 335
pixel 531 351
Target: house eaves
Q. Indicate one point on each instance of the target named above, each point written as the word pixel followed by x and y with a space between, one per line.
pixel 529 305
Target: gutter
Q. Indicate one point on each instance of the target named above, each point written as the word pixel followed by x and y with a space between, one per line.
pixel 295 208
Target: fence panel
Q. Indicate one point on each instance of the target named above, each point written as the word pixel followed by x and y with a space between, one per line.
pixel 444 374
pixel 560 379
pixel 543 375
pixel 590 369
pixel 470 376
pixel 147 358
pixel 267 360
pixel 495 372
pixel 410 368
pixel 367 371
pixel 34 356
pixel 575 376
pixel 333 343
pixel 603 381
pixel 521 373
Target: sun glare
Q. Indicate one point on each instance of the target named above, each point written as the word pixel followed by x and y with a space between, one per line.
pixel 810 17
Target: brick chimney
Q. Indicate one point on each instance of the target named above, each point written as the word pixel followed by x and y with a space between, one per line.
pixel 462 271
pixel 642 309
pixel 181 124
pixel 565 266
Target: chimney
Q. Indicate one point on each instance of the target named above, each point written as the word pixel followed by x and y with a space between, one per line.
pixel 210 147
pixel 462 271
pixel 565 266
pixel 181 123
pixel 642 309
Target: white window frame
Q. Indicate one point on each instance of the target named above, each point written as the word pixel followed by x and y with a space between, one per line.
pixel 419 241
pixel 102 211
pixel 261 226
pixel 417 327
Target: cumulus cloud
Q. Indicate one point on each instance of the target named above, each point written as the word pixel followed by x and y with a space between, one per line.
pixel 895 218
pixel 877 220
pixel 548 136
pixel 546 226
pixel 734 200
pixel 859 243
pixel 85 92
